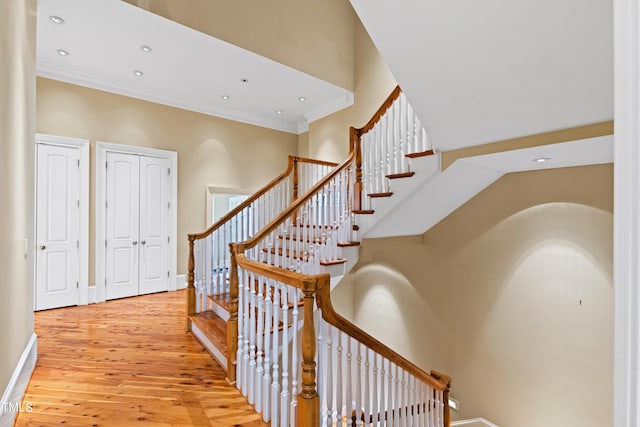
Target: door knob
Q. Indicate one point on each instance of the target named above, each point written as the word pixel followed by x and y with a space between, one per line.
pixel 143 242
pixel 42 247
pixel 135 242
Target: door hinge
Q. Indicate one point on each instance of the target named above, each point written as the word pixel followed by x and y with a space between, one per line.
pixel 169 171
pixel 105 243
pixel 106 165
pixel 168 239
pixel 77 285
pixel 78 203
pixel 78 244
pixel 78 162
pixel 105 204
pixel 168 205
pixel 168 274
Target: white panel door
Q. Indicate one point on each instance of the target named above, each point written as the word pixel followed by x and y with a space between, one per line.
pixel 154 224
pixel 57 226
pixel 122 225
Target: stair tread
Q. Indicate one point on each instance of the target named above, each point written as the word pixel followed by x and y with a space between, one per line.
pixel 213 327
pixel 333 262
pixel 346 244
pixel 420 154
pixel 223 300
pixel 308 239
pixel 401 175
pixel 385 194
pixel 363 211
pixel 287 253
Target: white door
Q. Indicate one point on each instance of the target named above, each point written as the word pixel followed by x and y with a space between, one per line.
pixel 154 224
pixel 122 225
pixel 57 226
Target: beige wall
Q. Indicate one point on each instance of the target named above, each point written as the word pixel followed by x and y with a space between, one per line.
pixel 329 137
pixel 315 37
pixel 511 294
pixel 211 151
pixel 17 124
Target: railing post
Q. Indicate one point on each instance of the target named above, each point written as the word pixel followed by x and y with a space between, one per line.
pixel 191 289
pixel 232 322
pixel 445 396
pixel 354 136
pixel 308 400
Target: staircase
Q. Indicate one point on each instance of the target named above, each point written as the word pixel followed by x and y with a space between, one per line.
pixel 260 281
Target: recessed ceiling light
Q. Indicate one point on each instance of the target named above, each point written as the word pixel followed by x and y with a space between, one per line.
pixel 146 48
pixel 542 159
pixel 138 73
pixel 278 111
pixel 302 98
pixel 244 80
pixel 225 97
pixel 56 19
pixel 62 52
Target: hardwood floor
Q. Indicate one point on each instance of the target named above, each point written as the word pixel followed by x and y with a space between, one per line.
pixel 128 362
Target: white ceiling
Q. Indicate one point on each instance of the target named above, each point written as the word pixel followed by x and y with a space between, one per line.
pixel 186 69
pixel 485 71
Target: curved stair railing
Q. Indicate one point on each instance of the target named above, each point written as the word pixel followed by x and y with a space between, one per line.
pixel 209 257
pixel 293 357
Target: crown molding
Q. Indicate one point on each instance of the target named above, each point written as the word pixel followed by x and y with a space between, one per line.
pixel 96 80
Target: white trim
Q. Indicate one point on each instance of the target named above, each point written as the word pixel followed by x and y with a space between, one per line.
pixel 181 281
pixel 200 336
pixel 92 294
pixel 83 146
pixel 19 380
pixel 219 311
pixel 626 214
pixel 101 155
pixel 473 421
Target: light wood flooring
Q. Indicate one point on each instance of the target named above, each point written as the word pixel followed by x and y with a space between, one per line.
pixel 128 362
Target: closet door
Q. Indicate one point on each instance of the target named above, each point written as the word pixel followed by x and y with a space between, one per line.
pixel 154 224
pixel 57 226
pixel 122 225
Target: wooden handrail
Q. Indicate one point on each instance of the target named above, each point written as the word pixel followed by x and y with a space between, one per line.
pixel 395 94
pixel 290 167
pixel 330 316
pixel 293 207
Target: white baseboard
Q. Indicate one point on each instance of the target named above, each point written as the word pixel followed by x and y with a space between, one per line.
pixel 11 402
pixel 92 294
pixel 475 422
pixel 181 281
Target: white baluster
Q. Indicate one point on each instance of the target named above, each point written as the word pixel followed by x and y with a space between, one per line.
pixel 358 390
pixel 247 304
pixel 374 391
pixel 239 353
pixel 266 380
pixel 329 374
pixel 259 337
pixel 367 387
pixel 284 394
pixel 338 414
pixel 294 359
pixel 252 340
pixel 275 386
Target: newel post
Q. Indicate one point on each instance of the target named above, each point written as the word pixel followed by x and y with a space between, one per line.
pixel 191 288
pixel 232 323
pixel 354 136
pixel 445 396
pixel 308 399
